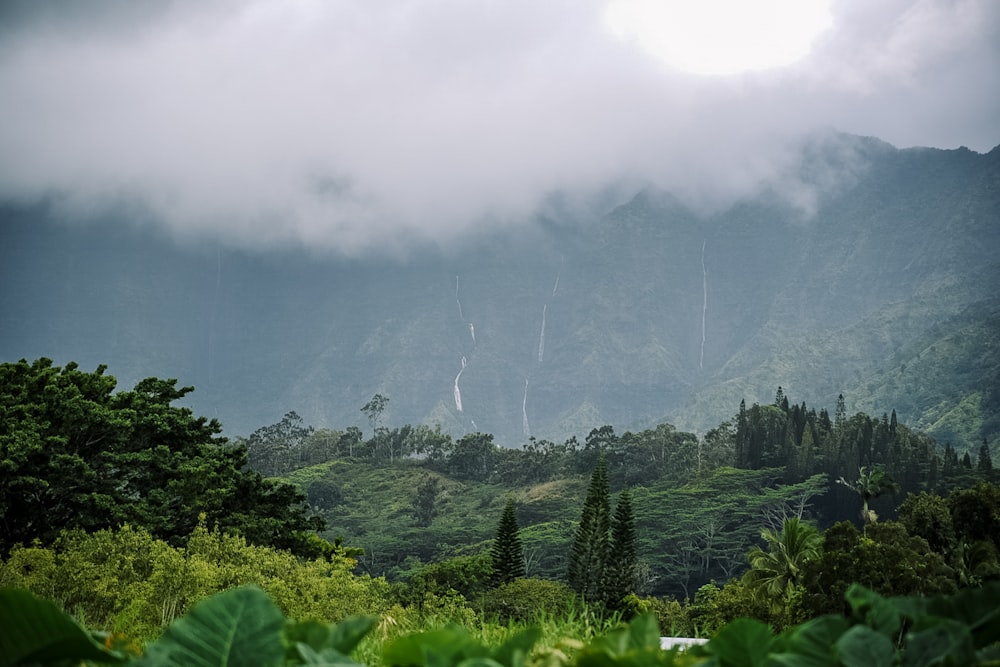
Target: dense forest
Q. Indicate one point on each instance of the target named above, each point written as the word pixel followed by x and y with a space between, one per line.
pixel 108 498
pixel 702 500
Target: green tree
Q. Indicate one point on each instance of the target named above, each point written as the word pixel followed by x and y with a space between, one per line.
pixel 975 514
pixel 425 500
pixel 591 544
pixel 623 563
pixel 528 600
pixel 78 455
pixel 871 483
pixel 374 409
pixel 324 493
pixel 469 576
pixel 926 515
pixel 985 461
pixel 473 457
pixel 279 448
pixel 507 553
pixel 776 573
pixel 887 560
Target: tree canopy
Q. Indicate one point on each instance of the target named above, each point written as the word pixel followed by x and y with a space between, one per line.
pixel 77 454
pixel 507 554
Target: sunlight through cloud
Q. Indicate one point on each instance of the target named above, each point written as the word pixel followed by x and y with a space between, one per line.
pixel 721 37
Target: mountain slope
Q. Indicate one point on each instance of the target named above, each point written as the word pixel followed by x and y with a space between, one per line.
pixel 862 274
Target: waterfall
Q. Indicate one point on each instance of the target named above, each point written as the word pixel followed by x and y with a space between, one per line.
pixel 524 411
pixel 461 315
pixel 541 336
pixel 458 392
pixel 704 304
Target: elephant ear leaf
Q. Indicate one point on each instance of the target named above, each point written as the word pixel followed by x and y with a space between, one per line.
pixel 976 608
pixel 240 626
pixel 313 642
pixel 36 631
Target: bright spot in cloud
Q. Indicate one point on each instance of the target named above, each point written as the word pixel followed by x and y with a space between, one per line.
pixel 721 37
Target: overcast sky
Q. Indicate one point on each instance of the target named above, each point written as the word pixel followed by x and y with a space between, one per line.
pixel 355 124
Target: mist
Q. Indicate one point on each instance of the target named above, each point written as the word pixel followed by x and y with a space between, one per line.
pixel 357 127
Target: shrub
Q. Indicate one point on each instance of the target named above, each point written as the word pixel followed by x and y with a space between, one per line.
pixel 526 599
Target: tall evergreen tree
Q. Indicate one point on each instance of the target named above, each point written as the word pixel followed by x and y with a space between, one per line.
pixel 985 462
pixel 840 416
pixel 591 545
pixel 623 562
pixel 507 552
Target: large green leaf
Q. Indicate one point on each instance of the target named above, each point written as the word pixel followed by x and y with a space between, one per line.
pixel 945 642
pixel 634 645
pixel 862 646
pixel 316 643
pixel 811 644
pixel 343 637
pixel 742 643
pixel 435 648
pixel 873 610
pixel 977 608
pixel 328 657
pixel 35 631
pixel 237 627
pixel 514 652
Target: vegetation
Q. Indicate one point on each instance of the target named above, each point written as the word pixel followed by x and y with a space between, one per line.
pixel 592 544
pixel 75 454
pixel 243 626
pixel 623 563
pixel 871 484
pixel 507 554
pixel 777 574
pixel 703 533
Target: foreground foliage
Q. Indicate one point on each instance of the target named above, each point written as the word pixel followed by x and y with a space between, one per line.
pixel 244 626
pixel 77 454
pixel 128 581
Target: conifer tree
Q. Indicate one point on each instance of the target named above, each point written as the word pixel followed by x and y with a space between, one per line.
pixel 591 545
pixel 985 462
pixel 623 563
pixel 840 417
pixel 507 552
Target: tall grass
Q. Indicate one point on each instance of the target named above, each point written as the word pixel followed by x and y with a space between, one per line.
pixel 562 635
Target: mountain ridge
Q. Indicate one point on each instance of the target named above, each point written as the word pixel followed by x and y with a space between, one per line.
pixel 650 313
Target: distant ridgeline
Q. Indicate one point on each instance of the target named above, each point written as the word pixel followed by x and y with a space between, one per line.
pixel 875 276
pixel 793 439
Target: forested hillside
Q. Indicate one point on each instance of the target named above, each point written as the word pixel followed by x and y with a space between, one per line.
pixel 410 496
pixel 869 272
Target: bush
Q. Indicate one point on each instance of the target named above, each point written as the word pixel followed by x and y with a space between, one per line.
pixel 127 580
pixel 714 607
pixel 673 618
pixel 527 599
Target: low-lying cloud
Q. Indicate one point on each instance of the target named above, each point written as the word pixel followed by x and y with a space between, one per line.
pixel 356 125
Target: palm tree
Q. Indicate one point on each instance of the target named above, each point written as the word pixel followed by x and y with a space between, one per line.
pixel 776 572
pixel 871 483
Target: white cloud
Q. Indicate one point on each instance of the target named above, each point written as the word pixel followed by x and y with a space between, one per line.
pixel 355 125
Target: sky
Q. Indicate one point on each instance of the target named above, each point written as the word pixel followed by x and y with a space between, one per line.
pixel 354 125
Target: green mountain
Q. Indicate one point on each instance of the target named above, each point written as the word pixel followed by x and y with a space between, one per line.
pixel 869 271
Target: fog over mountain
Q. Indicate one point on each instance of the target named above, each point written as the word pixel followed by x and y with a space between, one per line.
pixel 878 280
